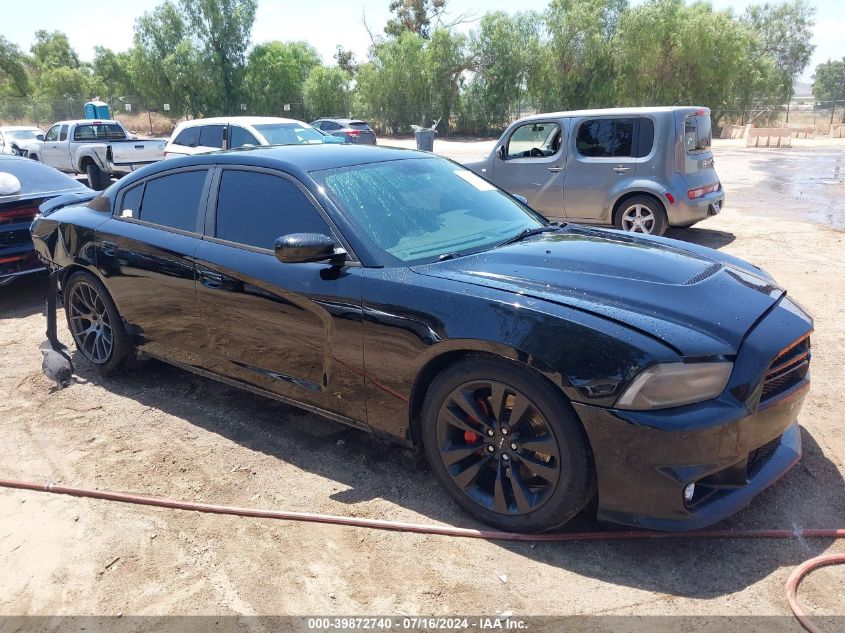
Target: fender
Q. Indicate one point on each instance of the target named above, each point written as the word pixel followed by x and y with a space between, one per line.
pixel 90 151
pixel 637 185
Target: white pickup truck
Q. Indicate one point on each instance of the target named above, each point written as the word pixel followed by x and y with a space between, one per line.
pixel 97 148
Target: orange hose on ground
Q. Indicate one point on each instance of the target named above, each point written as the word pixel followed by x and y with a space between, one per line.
pixel 422 528
pixel 795 579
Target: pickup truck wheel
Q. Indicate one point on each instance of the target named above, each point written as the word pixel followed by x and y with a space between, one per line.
pixel 34 157
pixel 97 178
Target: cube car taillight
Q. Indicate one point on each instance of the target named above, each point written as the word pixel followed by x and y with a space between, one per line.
pixel 692 194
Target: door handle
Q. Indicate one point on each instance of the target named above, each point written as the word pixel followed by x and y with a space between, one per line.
pixel 555 170
pixel 211 279
pixel 621 169
pixel 108 248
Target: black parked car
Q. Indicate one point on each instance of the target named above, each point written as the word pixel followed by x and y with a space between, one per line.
pixel 24 185
pixel 536 364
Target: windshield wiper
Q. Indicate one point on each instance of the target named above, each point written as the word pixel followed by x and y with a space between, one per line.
pixel 528 233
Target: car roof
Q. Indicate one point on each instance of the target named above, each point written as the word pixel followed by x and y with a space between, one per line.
pixel 294 159
pixel 613 112
pixel 243 120
pixel 342 120
pixel 87 122
pixel 17 128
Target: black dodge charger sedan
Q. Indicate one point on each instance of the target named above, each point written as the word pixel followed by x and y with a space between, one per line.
pixel 537 365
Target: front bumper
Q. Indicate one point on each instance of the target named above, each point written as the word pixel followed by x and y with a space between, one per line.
pixel 731 447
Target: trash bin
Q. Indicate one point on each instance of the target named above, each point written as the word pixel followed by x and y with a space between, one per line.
pixel 424 137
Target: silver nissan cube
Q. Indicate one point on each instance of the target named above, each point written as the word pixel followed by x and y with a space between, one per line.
pixel 638 169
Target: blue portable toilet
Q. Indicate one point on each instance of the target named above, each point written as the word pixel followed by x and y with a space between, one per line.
pixel 97 110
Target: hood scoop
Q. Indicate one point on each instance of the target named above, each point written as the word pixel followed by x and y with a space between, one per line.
pixel 704 274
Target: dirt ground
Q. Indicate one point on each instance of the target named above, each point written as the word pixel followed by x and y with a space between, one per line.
pixel 159 431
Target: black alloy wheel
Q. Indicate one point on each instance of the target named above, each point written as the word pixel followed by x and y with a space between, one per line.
pixel 498 447
pixel 94 322
pixel 507 445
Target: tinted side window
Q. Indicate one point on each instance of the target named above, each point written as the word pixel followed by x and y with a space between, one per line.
pixel 63 133
pixel 238 137
pixel 131 202
pixel 174 200
pixel 645 137
pixel 330 126
pixel 189 137
pixel 599 138
pixel 255 208
pixel 211 136
pixel 52 134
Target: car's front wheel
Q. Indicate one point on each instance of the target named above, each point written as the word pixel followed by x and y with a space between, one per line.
pixel 94 322
pixel 641 214
pixel 506 446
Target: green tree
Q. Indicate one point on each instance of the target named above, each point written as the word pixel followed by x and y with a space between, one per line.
pixel 112 71
pixel 14 80
pixel 394 87
pixel 326 92
pixel 346 61
pixel 576 66
pixel 668 52
pixel 829 84
pixel 503 52
pixel 222 28
pixel 415 16
pixel 785 32
pixel 52 50
pixel 275 74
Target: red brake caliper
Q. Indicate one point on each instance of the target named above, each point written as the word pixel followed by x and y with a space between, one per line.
pixel 469 436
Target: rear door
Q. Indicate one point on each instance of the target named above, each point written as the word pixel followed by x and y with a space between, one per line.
pixel 145 252
pixel 531 163
pixel 185 143
pixel 211 138
pixel 696 158
pixel 292 329
pixel 602 160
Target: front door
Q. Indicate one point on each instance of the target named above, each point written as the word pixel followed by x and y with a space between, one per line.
pixel 531 162
pixel 291 329
pixel 55 150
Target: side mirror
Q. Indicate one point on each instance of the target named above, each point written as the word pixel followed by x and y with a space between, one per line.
pixel 500 152
pixel 39 137
pixel 300 248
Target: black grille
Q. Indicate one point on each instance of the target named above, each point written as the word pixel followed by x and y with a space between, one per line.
pixel 788 369
pixel 761 456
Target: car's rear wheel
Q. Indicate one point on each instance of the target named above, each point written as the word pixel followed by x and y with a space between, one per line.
pixel 97 178
pixel 506 446
pixel 94 322
pixel 641 214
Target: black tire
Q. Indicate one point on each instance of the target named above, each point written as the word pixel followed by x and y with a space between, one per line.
pixel 641 214
pixel 85 296
pixel 34 157
pixel 97 178
pixel 549 438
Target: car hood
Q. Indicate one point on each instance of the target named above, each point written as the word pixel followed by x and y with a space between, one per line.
pixel 695 300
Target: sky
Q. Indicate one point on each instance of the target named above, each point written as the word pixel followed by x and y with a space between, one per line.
pixel 323 23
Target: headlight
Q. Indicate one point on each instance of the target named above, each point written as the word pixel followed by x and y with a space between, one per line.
pixel 674 384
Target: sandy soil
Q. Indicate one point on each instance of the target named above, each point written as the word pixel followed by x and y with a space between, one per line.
pixel 159 431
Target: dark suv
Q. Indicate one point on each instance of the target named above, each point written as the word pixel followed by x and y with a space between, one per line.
pixel 351 130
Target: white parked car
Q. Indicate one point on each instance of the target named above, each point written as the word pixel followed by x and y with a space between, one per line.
pixel 17 134
pixel 210 135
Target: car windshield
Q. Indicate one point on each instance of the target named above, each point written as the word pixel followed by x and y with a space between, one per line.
pixel 33 178
pixel 24 135
pixel 289 134
pixel 417 210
